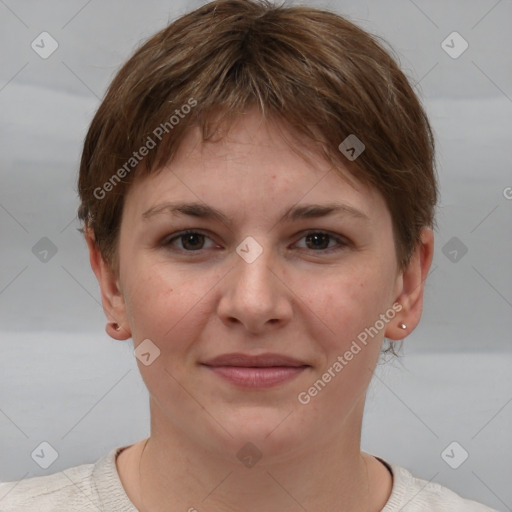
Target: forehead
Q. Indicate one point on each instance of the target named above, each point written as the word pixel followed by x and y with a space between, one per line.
pixel 255 164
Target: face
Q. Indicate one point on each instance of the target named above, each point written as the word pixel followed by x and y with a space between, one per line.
pixel 301 286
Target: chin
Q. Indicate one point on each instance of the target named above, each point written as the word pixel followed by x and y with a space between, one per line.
pixel 272 430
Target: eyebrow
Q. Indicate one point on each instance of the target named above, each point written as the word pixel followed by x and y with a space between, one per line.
pixel 295 213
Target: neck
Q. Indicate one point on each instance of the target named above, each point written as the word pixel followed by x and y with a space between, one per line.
pixel 176 474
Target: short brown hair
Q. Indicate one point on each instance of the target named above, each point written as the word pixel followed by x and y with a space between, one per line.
pixel 322 75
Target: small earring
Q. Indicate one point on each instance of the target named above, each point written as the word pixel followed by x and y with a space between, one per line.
pixel 115 325
pixel 402 326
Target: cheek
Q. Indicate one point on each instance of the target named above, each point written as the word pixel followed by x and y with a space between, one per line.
pixel 163 302
pixel 346 302
pixel 347 306
pixel 148 297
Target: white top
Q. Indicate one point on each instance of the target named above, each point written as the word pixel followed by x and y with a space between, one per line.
pixel 97 487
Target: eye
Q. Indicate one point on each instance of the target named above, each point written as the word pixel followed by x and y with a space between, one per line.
pixel 322 241
pixel 190 241
pixel 195 241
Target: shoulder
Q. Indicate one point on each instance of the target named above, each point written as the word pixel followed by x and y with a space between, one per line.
pixel 79 488
pixel 66 489
pixel 411 494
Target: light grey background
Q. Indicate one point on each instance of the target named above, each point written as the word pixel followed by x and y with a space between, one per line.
pixel 62 380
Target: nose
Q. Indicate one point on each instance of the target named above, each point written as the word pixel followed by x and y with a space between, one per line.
pixel 255 295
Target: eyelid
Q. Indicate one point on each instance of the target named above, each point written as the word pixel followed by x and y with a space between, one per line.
pixel 342 242
pixel 178 234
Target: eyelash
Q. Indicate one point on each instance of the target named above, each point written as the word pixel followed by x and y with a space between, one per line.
pixel 342 243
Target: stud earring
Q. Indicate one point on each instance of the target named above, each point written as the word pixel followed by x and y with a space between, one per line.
pixel 115 325
pixel 402 326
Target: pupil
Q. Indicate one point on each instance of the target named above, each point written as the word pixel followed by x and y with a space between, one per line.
pixel 194 239
pixel 319 237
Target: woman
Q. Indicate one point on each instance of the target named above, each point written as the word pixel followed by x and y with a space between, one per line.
pixel 258 193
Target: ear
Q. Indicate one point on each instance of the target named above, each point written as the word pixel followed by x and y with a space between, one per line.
pixel 410 287
pixel 111 296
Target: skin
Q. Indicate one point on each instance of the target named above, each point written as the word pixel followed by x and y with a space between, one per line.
pixel 294 299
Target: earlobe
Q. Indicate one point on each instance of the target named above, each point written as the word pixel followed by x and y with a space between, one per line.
pixel 412 288
pixel 114 330
pixel 111 297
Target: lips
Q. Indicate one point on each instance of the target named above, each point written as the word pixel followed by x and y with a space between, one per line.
pixel 261 371
pixel 260 361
